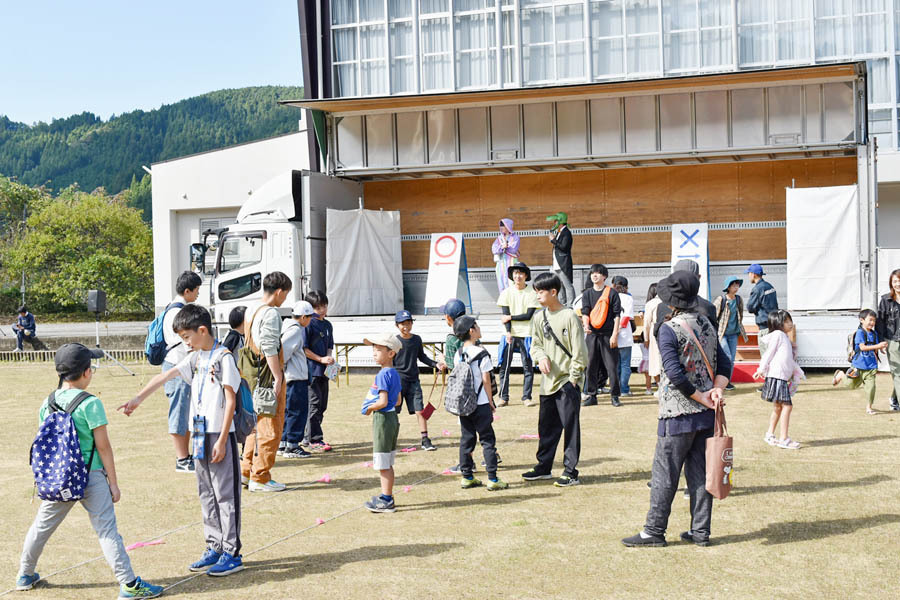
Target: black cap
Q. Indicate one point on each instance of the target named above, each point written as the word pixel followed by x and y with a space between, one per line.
pixel 679 290
pixel 519 267
pixel 462 325
pixel 75 358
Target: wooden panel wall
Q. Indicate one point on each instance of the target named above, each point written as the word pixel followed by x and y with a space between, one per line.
pixel 753 191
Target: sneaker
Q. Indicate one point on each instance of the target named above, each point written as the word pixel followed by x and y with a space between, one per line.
pixel 615 401
pixel 140 589
pixel 209 558
pixel 688 536
pixel 534 475
pixel 493 486
pixel 687 494
pixel 499 461
pixel 788 444
pixel 269 486
pixel 566 481
pixel 454 470
pixel 245 481
pixel 184 465
pixel 282 446
pixel 639 541
pixel 379 505
pixel 529 403
pixel 427 445
pixel 590 401
pixel 770 439
pixel 226 565
pixel 628 394
pixel 603 390
pixel 503 402
pixel 730 387
pixel 319 447
pixel 895 406
pixel 467 483
pixel 26 582
pixel 297 452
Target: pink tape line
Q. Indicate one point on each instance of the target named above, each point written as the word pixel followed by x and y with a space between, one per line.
pixel 529 436
pixel 320 521
pixel 410 449
pixel 142 544
pixel 446 432
pixel 326 478
pixel 367 464
pixel 407 488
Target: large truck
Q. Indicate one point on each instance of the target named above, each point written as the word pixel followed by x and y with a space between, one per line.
pixel 281 227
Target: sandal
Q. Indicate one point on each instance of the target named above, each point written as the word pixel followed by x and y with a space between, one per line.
pixel 788 444
pixel 770 439
pixel 870 411
pixel 838 376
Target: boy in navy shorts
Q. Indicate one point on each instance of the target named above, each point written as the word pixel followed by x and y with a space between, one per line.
pixel 407 367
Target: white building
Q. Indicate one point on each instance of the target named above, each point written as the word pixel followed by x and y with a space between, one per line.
pixel 206 191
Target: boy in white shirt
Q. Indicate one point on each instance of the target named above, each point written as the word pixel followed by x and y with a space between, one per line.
pixel 214 379
pixel 626 333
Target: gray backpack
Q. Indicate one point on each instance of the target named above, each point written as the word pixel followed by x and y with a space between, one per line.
pixel 461 397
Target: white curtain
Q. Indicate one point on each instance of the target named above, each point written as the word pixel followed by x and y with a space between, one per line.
pixel 436 50
pixel 823 269
pixel 476 50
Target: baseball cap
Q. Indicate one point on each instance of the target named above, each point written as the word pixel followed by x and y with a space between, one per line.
pixel 303 309
pixel 403 315
pixel 454 308
pixel 756 269
pixel 388 340
pixel 75 358
pixel 462 325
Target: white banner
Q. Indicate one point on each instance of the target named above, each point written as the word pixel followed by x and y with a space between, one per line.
pixel 823 271
pixel 691 241
pixel 443 268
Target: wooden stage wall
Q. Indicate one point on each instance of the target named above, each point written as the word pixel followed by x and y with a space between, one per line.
pixel 734 192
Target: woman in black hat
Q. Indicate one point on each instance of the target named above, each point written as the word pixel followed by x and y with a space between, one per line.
pixel 695 371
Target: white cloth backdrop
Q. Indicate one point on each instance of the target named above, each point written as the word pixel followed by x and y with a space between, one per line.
pixel 823 269
pixel 363 266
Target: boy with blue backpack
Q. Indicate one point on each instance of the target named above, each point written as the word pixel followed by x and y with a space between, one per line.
pixel 72 460
pixel 214 382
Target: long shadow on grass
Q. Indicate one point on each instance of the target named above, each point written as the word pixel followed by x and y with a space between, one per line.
pixel 802 531
pixel 809 486
pixel 847 440
pixel 485 499
pixel 280 569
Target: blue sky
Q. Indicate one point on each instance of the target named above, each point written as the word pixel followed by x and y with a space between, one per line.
pixel 59 58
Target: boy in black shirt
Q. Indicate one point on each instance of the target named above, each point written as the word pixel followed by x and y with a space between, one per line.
pixel 600 310
pixel 408 368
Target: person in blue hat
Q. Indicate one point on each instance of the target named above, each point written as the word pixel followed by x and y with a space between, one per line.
pixel 407 366
pixel 730 312
pixel 763 300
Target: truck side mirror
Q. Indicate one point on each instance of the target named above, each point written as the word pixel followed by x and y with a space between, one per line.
pixel 198 258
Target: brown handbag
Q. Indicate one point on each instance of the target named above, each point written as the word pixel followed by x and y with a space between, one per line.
pixel 720 447
pixel 720 459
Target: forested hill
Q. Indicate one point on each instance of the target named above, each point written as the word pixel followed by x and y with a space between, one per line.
pixel 95 153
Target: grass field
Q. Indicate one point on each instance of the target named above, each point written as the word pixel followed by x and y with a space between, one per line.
pixel 821 522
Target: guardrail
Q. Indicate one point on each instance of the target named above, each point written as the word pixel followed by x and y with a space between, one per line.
pixel 30 356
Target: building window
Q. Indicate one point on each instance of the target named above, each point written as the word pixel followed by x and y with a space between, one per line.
pixel 475 38
pixel 434 21
pixel 553 41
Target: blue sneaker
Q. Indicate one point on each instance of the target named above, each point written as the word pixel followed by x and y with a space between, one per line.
pixel 226 565
pixel 140 589
pixel 209 558
pixel 26 582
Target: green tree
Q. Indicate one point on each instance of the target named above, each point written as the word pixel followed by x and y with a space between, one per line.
pixel 80 241
pixel 139 195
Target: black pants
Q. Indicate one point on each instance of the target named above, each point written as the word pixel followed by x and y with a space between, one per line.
pixel 600 352
pixel 560 412
pixel 296 412
pixel 318 404
pixel 479 423
pixel 673 452
pixel 516 345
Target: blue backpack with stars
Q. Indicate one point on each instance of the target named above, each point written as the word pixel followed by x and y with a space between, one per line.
pixel 60 472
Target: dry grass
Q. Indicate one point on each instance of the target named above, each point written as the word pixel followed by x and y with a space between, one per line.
pixel 822 522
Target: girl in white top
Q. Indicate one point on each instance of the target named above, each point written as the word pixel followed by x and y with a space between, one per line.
pixel 779 366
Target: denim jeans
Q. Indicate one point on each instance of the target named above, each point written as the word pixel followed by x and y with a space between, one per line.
pixel 624 370
pixel 729 342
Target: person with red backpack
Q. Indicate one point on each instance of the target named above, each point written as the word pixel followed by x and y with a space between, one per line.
pixel 601 308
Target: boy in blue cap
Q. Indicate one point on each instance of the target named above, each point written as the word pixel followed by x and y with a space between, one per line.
pixel 762 301
pixel 407 367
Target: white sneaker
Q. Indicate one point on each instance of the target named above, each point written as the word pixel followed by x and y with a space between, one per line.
pixel 18 350
pixel 245 481
pixel 270 486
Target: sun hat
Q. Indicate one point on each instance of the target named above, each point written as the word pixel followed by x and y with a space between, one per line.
pixel 519 267
pixel 679 290
pixel 388 340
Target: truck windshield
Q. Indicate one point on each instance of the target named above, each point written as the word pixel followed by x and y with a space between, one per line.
pixel 239 251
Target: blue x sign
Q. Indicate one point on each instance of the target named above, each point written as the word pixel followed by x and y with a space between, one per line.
pixel 689 238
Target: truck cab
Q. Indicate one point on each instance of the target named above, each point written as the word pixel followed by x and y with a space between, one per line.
pixel 280 228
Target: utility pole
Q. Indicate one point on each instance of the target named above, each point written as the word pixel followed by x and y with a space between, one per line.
pixel 24 215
